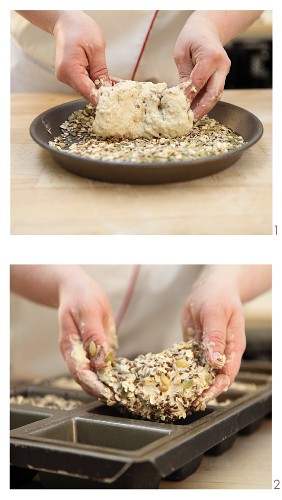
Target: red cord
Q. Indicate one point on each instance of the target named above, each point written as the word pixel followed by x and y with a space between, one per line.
pixel 144 44
pixel 128 296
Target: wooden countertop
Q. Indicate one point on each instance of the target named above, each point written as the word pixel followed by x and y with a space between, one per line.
pixel 46 199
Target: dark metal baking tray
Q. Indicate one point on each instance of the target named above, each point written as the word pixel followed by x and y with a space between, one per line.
pixel 94 446
pixel 46 126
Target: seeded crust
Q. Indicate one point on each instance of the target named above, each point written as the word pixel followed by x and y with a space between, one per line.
pixel 161 387
pixel 130 110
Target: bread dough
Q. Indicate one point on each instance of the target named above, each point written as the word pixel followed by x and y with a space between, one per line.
pixel 142 109
pixel 165 386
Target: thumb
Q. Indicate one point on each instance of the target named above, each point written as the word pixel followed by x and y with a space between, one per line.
pixel 214 336
pixel 98 334
pixel 78 363
pixel 185 68
pixel 100 346
pixel 183 63
pixel 98 70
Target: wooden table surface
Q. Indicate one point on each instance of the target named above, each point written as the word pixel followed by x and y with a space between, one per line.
pixel 46 199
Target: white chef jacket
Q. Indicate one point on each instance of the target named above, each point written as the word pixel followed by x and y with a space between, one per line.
pixel 152 321
pixel 139 46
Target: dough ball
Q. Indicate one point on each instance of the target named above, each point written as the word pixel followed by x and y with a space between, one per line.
pixel 131 110
pixel 163 387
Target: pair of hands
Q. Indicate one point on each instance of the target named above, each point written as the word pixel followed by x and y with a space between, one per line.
pixel 199 56
pixel 213 313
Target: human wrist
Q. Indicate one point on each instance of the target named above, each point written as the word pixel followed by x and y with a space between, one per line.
pixel 202 25
pixel 223 277
pixel 64 18
pixel 70 281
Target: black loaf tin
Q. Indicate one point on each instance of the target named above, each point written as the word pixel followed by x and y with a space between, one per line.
pixel 94 446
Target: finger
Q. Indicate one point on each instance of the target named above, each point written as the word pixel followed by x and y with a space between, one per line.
pixel 198 78
pixel 98 333
pixel 184 65
pixel 81 68
pixel 214 325
pixel 219 385
pixel 77 77
pixel 206 83
pixel 97 69
pixel 235 345
pixel 191 327
pixel 209 95
pixel 192 333
pixel 89 89
pixel 115 79
pixel 93 386
pixel 79 365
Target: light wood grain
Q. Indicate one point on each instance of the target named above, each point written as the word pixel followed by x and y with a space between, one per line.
pixel 46 199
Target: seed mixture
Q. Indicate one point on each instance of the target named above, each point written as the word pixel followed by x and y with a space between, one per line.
pixel 47 401
pixel 162 387
pixel 66 383
pixel 207 138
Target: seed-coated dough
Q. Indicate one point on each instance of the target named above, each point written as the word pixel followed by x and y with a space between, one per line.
pixel 166 386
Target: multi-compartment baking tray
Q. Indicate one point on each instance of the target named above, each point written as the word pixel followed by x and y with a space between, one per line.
pixel 94 446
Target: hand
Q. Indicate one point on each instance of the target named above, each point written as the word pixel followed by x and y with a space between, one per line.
pixel 214 315
pixel 87 331
pixel 80 54
pixel 202 63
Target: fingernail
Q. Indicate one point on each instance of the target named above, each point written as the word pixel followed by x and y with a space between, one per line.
pixel 191 332
pixel 94 96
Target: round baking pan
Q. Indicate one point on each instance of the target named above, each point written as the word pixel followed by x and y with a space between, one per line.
pixel 46 126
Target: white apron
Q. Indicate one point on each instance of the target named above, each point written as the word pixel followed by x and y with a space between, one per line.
pixel 139 46
pixel 152 321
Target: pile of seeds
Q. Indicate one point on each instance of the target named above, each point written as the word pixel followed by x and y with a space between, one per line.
pixel 207 138
pixel 66 383
pixel 47 401
pixel 165 386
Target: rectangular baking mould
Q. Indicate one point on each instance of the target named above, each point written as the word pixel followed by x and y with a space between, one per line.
pixel 95 446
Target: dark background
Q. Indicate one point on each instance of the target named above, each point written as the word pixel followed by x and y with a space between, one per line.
pixel 251 64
